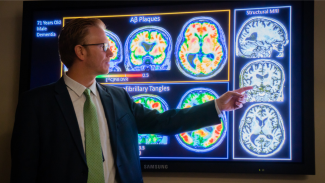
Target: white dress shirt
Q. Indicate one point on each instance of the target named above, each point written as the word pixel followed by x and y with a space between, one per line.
pixel 78 100
pixel 220 114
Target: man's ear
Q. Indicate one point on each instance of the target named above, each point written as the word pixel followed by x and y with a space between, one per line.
pixel 80 52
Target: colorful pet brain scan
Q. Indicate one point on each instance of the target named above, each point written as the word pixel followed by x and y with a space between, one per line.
pixel 267 77
pixel 148 48
pixel 116 47
pixel 201 50
pixel 261 130
pixel 149 139
pixel 259 36
pixel 151 102
pixel 204 139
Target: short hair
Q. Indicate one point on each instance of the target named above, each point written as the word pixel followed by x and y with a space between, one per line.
pixel 74 33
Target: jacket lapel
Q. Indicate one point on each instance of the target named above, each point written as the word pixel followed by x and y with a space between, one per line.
pixel 107 102
pixel 67 109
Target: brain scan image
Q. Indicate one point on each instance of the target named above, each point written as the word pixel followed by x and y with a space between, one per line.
pixel 148 48
pixel 151 102
pixel 150 139
pixel 267 78
pixel 259 36
pixel 261 130
pixel 204 139
pixel 201 50
pixel 115 46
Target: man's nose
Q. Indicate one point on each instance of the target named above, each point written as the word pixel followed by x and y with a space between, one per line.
pixel 109 53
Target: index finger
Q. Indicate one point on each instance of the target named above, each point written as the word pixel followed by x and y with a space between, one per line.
pixel 243 89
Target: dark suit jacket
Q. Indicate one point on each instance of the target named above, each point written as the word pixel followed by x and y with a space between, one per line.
pixel 46 142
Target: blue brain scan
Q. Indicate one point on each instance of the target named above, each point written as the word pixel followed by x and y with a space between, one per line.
pixel 115 46
pixel 201 50
pixel 148 48
pixel 261 130
pixel 259 36
pixel 267 78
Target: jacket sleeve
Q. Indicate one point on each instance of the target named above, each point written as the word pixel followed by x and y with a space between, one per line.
pixel 175 120
pixel 25 143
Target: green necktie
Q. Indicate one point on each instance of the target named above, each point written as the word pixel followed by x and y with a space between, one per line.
pixel 92 142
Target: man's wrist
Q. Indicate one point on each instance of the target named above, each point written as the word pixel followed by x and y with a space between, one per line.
pixel 217 105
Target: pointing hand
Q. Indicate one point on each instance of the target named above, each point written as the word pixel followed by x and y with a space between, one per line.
pixel 233 100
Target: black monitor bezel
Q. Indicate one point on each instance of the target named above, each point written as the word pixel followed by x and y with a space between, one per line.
pixel 307 166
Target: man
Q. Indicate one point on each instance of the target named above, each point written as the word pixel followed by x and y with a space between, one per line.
pixel 77 130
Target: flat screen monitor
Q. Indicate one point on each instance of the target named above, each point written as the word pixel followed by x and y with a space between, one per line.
pixel 177 55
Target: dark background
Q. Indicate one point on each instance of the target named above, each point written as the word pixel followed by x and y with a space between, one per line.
pixel 45 58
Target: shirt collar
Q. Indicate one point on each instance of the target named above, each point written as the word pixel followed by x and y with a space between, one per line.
pixel 93 88
pixel 78 88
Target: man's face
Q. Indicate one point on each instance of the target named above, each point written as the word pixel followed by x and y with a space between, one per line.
pixel 97 60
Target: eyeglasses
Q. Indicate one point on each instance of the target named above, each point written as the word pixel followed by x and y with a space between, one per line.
pixel 105 46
